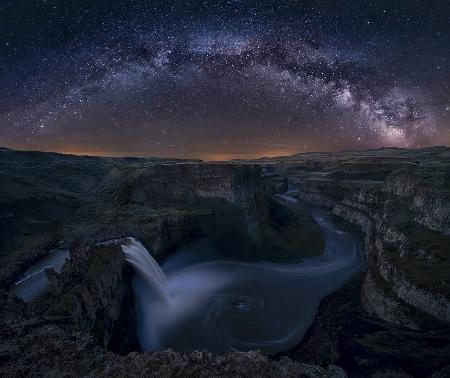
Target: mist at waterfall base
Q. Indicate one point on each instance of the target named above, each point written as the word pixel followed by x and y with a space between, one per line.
pixel 195 304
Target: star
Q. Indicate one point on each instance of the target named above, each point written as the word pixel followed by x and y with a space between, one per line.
pixel 234 74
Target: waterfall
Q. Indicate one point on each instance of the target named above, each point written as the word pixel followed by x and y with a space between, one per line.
pixel 147 267
pixel 227 305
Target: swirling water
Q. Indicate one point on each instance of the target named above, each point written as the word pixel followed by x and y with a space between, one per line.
pixel 193 303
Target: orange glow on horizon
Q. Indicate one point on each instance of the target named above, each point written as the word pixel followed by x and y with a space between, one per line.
pixel 205 156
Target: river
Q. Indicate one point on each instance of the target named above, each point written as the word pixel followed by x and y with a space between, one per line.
pixel 197 302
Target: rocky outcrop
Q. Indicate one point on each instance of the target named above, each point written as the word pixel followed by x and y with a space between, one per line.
pixel 379 300
pixel 93 294
pixel 203 364
pixel 427 196
pixel 52 351
pixel 394 252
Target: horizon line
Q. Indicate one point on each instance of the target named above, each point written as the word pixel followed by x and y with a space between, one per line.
pixel 261 157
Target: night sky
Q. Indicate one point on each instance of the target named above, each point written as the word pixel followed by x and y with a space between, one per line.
pixel 223 79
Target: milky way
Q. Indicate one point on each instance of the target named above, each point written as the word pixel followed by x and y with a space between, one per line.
pixel 223 79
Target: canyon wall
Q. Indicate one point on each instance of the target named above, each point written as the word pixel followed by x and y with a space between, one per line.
pixel 234 183
pixel 403 209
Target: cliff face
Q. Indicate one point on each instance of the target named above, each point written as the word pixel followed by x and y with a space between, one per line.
pixel 94 294
pixel 401 202
pixel 425 193
pixel 407 244
pixel 51 200
pixel 236 184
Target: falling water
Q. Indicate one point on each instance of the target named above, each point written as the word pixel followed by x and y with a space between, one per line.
pixel 163 302
pixel 224 305
pixel 146 265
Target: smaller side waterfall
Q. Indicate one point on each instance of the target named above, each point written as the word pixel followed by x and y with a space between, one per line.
pixel 147 267
pixel 35 281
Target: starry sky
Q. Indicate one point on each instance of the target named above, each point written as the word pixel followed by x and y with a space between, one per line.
pixel 223 79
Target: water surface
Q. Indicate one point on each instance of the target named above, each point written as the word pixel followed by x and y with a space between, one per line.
pixel 34 281
pixel 224 305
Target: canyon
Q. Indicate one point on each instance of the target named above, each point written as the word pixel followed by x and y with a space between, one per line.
pixel 396 201
pixel 400 200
